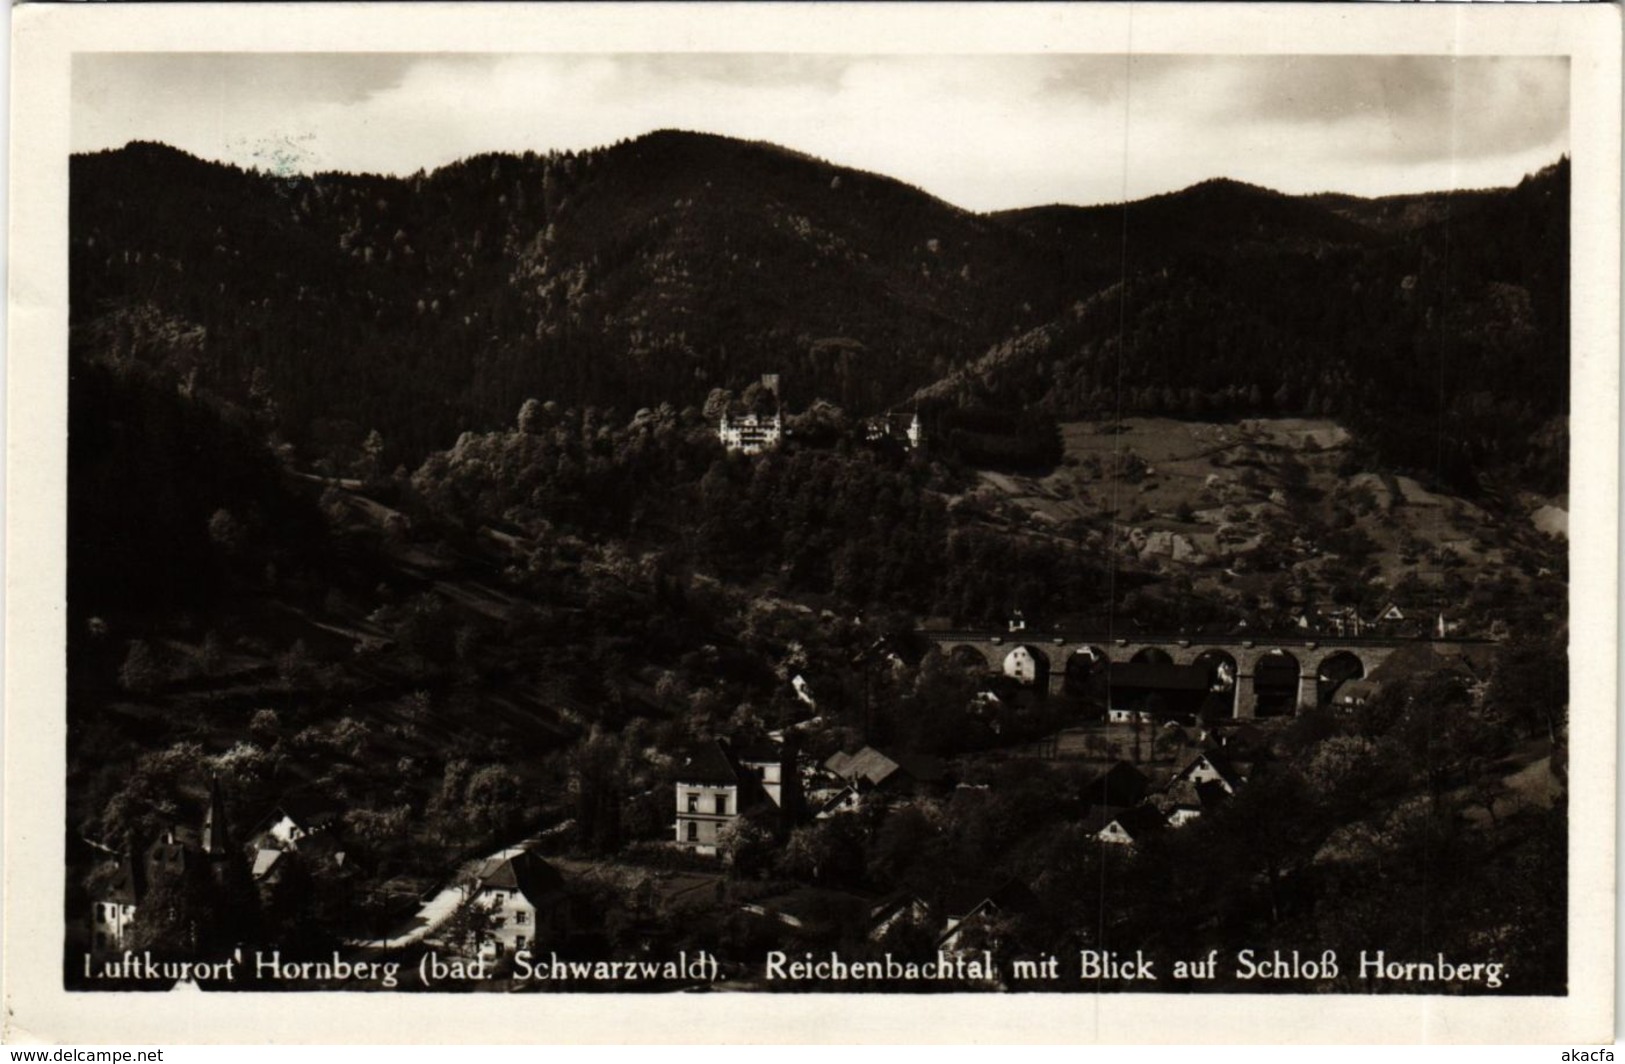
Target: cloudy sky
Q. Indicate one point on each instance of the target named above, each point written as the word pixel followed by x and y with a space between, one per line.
pixel 983 132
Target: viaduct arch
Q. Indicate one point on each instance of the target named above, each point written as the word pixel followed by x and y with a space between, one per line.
pixel 1264 675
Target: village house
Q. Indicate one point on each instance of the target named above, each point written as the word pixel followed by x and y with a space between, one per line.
pixel 845 799
pixel 290 827
pixel 899 909
pixel 973 911
pixel 1405 619
pixel 1118 787
pixel 175 851
pixel 869 769
pixel 114 911
pixel 320 849
pixel 1155 692
pixel 1125 827
pixel 1185 801
pixel 712 790
pixel 1212 766
pixel 524 900
pixel 1337 620
pixel 290 822
pixel 1025 667
pixel 774 766
pixel 904 429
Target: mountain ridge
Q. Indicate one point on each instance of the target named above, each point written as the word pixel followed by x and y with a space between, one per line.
pixel 660 268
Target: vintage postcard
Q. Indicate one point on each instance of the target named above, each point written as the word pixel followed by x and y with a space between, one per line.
pixel 837 523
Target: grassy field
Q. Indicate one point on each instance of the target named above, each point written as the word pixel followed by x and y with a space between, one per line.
pixel 1201 500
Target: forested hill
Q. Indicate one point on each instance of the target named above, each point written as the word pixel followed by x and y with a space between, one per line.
pixel 653 270
pixel 660 268
pixel 1439 331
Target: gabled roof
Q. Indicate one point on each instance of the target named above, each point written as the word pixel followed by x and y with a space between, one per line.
pixel 1140 822
pixel 1100 816
pixel 129 883
pixel 1221 764
pixel 1120 785
pixel 1207 795
pixel 840 799
pixel 867 764
pixel 890 906
pixel 1157 676
pixel 312 814
pixel 523 871
pixel 164 856
pixel 710 764
pixel 968 899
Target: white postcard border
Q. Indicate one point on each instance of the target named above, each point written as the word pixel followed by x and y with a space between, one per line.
pixel 46 36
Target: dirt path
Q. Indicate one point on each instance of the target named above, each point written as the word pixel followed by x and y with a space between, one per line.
pixel 435 912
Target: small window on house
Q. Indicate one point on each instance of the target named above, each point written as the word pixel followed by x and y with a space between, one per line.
pixel 693 803
pixel 519 942
pixel 521 917
pixel 722 805
pixel 693 832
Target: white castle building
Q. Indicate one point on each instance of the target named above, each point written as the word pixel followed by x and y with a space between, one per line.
pixel 751 434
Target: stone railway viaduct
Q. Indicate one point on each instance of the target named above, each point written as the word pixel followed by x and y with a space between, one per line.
pixel 1296 672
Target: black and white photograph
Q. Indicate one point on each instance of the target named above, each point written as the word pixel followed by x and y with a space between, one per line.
pixel 1085 521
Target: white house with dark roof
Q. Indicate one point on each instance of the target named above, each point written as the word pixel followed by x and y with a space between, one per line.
pixel 711 787
pixel 112 913
pixel 974 907
pixel 869 769
pixel 773 766
pixel 1186 801
pixel 833 803
pixel 1211 766
pixel 1125 827
pixel 290 822
pixel 1022 666
pixel 525 900
pixel 176 850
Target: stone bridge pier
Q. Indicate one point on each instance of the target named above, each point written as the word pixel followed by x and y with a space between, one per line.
pixel 1266 675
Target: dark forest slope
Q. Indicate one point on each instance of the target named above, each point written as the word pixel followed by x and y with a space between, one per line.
pixel 660 268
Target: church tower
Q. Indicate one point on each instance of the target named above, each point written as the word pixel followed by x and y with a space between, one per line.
pixel 216 839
